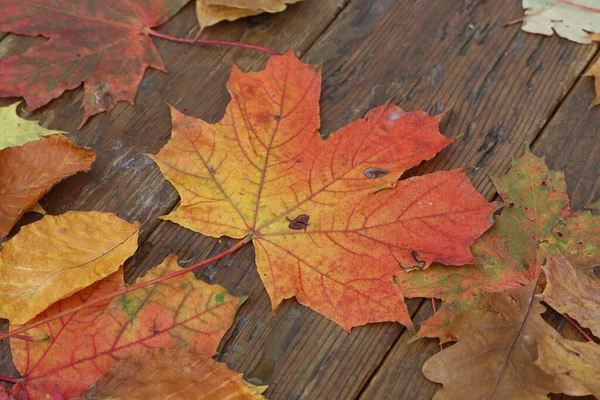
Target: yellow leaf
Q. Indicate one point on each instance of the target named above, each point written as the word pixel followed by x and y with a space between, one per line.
pixel 211 12
pixel 573 361
pixel 56 256
pixel 16 131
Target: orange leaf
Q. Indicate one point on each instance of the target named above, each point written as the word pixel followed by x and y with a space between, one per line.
pixel 30 171
pixel 180 313
pixel 56 256
pixel 330 222
pixel 169 373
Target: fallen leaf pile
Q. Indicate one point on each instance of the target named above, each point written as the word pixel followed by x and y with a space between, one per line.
pixel 493 309
pixel 211 12
pixel 330 223
pixel 32 160
pixel 535 221
pixel 74 352
pixel 496 355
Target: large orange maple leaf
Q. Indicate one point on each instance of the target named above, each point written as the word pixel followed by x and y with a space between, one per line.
pixel 330 222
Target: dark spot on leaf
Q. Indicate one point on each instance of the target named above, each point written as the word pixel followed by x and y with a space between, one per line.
pixel 298 223
pixel 211 169
pixel 373 172
pixel 597 271
pixel 511 205
pixel 277 117
pixel 155 330
pixel 559 234
pixel 544 184
pixel 420 263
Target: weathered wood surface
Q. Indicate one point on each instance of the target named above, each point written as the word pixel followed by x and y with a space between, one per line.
pixel 499 87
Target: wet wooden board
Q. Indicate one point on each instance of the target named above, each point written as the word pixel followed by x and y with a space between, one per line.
pixel 499 88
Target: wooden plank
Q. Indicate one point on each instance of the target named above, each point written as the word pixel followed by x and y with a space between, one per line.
pixel 570 142
pixel 123 179
pixel 374 51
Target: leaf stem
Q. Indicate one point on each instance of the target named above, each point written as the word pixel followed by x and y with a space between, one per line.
pixel 98 300
pixel 217 42
pixel 579 328
pixel 9 379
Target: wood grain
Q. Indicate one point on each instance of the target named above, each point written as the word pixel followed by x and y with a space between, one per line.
pixel 498 86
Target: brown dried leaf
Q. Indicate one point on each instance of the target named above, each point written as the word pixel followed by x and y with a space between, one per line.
pixel 570 291
pixel 171 373
pixel 575 361
pixel 495 352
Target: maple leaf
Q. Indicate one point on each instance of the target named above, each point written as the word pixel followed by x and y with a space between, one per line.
pixel 56 256
pixel 4 395
pixel 180 313
pixel 106 46
pixel 570 291
pixel 571 360
pixel 330 223
pixel 495 353
pixel 16 131
pixel 163 373
pixel 535 222
pixel 31 167
pixel 570 19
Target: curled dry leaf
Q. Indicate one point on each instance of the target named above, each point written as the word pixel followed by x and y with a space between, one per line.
pixel 106 46
pixel 31 167
pixel 172 373
pixel 536 221
pixel 211 12
pixel 495 353
pixel 57 256
pixel 180 313
pixel 330 223
pixel 568 359
pixel 571 19
pixel 570 291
